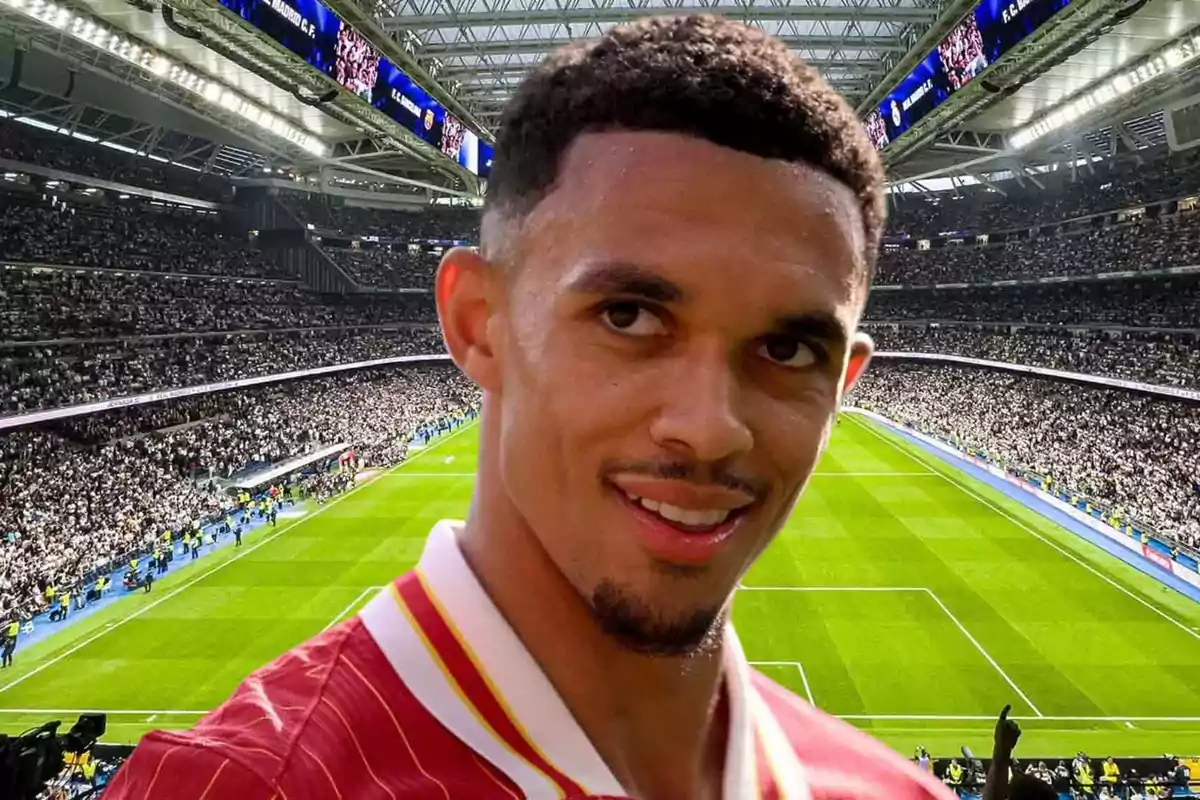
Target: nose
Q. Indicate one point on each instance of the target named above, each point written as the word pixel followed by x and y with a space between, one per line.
pixel 700 414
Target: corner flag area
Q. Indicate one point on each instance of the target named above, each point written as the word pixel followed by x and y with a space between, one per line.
pixel 903 596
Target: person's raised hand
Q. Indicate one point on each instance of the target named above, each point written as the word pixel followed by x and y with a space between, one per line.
pixel 1008 732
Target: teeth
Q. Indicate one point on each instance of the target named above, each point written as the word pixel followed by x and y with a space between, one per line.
pixel 684 516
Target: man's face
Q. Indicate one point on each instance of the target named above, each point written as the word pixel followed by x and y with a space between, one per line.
pixel 670 355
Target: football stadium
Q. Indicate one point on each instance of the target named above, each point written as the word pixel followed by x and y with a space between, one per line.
pixel 229 419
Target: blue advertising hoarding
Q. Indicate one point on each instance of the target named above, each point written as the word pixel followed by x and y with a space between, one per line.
pixel 311 30
pixel 992 29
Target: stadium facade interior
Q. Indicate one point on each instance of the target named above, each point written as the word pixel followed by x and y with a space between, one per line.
pixel 219 226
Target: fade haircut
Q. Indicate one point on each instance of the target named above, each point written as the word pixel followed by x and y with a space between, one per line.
pixel 699 75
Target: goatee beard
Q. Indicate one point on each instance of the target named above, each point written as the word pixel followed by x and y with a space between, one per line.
pixel 638 628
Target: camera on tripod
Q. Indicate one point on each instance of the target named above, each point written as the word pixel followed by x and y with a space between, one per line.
pixel 29 762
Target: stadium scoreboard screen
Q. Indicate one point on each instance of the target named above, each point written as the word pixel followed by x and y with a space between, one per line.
pixel 312 31
pixel 992 29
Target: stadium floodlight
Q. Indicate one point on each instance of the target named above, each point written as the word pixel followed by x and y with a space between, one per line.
pixel 1166 60
pixel 211 91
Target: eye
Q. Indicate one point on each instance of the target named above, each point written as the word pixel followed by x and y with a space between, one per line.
pixel 632 319
pixel 787 352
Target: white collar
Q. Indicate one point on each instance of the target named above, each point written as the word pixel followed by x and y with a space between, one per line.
pixel 460 658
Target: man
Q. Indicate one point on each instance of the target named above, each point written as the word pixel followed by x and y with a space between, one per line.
pixel 1112 773
pixel 11 631
pixel 954 776
pixel 677 244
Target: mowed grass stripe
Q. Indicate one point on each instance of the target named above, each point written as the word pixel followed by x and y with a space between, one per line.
pixel 1098 627
pixel 244 607
pixel 1042 618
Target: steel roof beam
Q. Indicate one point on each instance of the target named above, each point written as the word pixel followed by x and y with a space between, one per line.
pixel 902 15
pixel 881 44
pixel 859 66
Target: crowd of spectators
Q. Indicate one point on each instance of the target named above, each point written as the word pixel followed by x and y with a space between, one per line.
pixel 48 304
pixel 1150 243
pixel 1147 303
pixel 47 376
pixel 31 145
pixel 1126 451
pixel 1110 184
pixel 129 234
pixel 389 268
pixel 1171 359
pixel 440 223
pixel 81 493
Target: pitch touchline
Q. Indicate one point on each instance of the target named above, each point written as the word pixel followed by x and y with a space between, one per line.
pixel 972 493
pixel 867 717
pixel 815 474
pixel 114 625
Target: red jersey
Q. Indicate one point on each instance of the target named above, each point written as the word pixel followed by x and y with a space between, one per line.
pixel 428 693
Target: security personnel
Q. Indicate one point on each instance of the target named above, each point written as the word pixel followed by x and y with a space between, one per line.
pixel 954 776
pixel 1112 773
pixel 11 631
pixel 1083 777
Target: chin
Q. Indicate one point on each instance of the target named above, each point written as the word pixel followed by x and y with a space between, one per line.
pixel 642 626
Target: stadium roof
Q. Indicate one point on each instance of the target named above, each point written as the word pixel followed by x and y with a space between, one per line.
pixel 484 48
pixel 470 55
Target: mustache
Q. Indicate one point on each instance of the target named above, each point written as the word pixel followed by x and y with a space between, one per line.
pixel 714 474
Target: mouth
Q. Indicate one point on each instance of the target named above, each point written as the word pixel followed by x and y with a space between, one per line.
pixel 680 535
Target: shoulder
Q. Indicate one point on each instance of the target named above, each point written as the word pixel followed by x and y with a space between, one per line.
pixel 248 742
pixel 840 761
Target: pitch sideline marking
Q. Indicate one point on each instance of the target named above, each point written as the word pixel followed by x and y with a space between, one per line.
pixel 935 599
pixel 926 474
pixel 969 491
pixel 897 717
pixel 352 604
pixel 113 626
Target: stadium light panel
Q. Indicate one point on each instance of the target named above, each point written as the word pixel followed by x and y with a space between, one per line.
pixel 1166 60
pixel 105 38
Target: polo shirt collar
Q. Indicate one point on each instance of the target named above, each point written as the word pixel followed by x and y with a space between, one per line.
pixel 460 658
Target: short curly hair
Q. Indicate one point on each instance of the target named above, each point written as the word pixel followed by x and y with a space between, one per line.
pixel 700 75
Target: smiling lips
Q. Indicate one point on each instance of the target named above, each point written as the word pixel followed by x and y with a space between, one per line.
pixel 679 521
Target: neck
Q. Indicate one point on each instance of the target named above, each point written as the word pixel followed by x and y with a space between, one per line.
pixel 659 723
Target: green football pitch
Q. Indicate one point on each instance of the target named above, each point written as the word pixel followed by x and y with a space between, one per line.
pixel 903 596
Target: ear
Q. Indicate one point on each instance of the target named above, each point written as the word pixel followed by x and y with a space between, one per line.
pixel 861 349
pixel 467 295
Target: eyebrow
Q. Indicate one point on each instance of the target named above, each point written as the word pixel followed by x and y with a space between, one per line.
pixel 816 324
pixel 623 278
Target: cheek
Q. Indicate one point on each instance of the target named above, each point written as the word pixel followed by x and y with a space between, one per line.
pixel 796 435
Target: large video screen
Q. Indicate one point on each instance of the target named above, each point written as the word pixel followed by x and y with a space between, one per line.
pixel 992 29
pixel 308 28
pixel 311 30
pixel 396 95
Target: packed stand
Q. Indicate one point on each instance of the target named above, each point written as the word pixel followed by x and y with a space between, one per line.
pixel 20 142
pixel 1170 359
pixel 47 376
pixel 48 304
pixel 1123 450
pixel 127 235
pixel 1151 243
pixel 1146 303
pixel 392 269
pixel 78 495
pixel 442 223
pixel 1125 182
